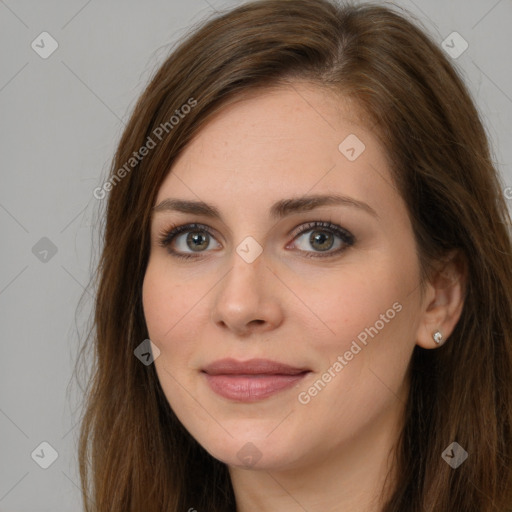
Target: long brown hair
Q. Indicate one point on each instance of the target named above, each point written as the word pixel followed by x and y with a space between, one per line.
pixel 134 454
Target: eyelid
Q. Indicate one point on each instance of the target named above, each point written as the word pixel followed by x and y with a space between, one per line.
pixel 318 225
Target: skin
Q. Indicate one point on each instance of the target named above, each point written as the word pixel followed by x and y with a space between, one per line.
pixel 333 452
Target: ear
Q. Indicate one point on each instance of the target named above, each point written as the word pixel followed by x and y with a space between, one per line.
pixel 443 301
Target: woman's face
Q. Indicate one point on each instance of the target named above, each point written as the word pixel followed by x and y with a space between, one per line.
pixel 337 302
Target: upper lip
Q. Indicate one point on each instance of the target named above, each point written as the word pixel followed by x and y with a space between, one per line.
pixel 251 367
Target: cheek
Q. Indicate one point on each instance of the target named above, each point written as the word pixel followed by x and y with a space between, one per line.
pixel 169 313
pixel 176 313
pixel 374 320
pixel 369 318
pixel 348 302
pixel 166 301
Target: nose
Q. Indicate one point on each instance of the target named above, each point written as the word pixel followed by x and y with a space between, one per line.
pixel 247 298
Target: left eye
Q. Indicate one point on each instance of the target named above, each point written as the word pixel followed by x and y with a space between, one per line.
pixel 322 236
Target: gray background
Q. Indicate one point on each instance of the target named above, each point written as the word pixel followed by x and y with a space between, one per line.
pixel 60 120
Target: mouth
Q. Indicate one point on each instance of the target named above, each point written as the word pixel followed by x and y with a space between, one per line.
pixel 253 380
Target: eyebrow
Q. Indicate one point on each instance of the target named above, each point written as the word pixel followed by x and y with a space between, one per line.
pixel 278 210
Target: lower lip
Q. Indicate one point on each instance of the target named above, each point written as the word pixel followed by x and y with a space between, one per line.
pixel 250 388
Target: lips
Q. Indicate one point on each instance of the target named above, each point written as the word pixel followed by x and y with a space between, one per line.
pixel 253 380
pixel 251 367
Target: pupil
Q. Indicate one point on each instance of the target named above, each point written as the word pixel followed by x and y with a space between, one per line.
pixel 321 237
pixel 196 240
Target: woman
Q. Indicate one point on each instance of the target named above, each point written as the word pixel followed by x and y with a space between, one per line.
pixel 305 220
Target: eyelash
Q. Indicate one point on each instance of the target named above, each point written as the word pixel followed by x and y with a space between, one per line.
pixel 167 236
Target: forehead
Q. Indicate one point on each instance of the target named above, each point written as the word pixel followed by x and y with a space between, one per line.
pixel 280 142
pixel 286 122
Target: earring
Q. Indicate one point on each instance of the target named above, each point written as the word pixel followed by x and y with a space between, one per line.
pixel 438 337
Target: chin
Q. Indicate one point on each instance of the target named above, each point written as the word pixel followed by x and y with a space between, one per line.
pixel 253 451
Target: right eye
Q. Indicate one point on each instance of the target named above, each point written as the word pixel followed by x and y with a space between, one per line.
pixel 198 236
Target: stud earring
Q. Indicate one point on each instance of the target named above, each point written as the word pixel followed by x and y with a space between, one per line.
pixel 438 337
